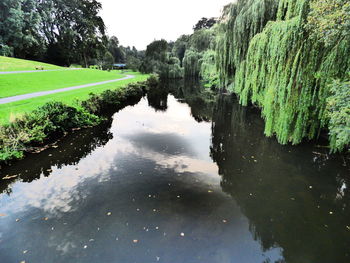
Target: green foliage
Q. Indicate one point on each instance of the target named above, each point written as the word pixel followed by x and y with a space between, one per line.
pixel 160 61
pixel 338 114
pixel 202 40
pixel 180 46
pixel 192 63
pixel 278 66
pixel 205 23
pixel 108 61
pixel 209 71
pixel 199 54
pixel 33 129
pixel 57 31
pixel 329 20
pixel 245 20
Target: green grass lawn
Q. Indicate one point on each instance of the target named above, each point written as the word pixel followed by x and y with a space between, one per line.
pixel 23 83
pixel 8 112
pixel 14 64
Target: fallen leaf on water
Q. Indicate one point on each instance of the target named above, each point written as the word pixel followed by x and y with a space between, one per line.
pixel 348 227
pixel 135 241
pixel 9 177
pixel 210 191
pixel 2 215
pixel 46 218
pixel 109 213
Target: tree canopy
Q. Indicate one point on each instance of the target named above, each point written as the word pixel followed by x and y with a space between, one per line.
pixel 59 31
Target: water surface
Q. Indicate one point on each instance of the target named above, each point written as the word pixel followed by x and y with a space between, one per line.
pixel 168 181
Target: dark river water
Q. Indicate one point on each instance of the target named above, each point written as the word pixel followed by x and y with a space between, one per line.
pixel 168 180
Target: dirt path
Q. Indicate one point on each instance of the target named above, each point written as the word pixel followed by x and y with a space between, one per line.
pixel 49 92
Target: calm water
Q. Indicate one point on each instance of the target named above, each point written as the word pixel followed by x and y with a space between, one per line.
pixel 169 181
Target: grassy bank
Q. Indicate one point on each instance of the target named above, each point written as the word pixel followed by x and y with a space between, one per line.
pixel 11 111
pixel 23 83
pixel 34 130
pixel 14 64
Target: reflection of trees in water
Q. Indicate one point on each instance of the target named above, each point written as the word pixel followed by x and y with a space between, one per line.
pixel 158 98
pixel 70 151
pixel 191 92
pixel 287 193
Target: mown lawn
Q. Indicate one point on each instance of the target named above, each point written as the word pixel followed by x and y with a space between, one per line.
pixel 8 112
pixel 14 64
pixel 23 83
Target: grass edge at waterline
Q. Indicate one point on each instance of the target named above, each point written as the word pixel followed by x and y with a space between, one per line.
pixel 35 130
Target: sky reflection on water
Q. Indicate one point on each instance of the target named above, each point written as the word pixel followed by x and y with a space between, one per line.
pixel 146 189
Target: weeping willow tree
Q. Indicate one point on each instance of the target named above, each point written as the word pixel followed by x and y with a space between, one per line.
pixel 199 52
pixel 269 57
pixel 246 19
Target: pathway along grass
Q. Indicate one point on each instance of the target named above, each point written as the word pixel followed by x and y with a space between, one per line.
pixel 23 83
pixel 10 111
pixel 35 130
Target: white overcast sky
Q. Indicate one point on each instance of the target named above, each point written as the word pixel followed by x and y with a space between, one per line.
pixel 139 22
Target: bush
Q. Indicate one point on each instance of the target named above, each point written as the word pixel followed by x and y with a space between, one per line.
pixel 47 122
pixel 94 67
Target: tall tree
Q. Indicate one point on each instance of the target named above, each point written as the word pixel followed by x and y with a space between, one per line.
pixel 205 23
pixel 19 28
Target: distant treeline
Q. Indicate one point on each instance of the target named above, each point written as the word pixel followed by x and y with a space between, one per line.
pixel 61 32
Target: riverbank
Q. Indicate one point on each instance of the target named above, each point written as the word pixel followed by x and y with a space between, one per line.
pixel 174 174
pixel 36 130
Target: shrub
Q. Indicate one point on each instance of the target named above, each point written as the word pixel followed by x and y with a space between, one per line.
pixel 47 122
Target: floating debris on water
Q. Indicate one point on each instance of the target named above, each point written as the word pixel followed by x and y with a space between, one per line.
pixel 109 213
pixel 7 177
pixel 182 234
